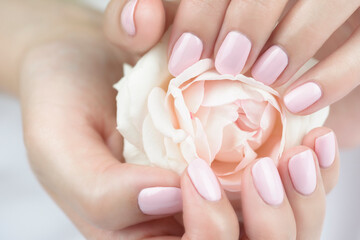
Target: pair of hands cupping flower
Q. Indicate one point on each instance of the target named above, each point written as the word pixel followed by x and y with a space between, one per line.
pixel 74 147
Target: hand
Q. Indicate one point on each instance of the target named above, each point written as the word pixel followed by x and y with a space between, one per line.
pixel 74 148
pixel 69 129
pixel 273 39
pixel 69 121
pixel 268 213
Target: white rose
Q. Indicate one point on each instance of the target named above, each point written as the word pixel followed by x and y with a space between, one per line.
pixel 227 121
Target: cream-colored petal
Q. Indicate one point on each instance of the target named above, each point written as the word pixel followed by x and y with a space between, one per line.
pixel 134 155
pixel 161 117
pixel 154 146
pixel 193 96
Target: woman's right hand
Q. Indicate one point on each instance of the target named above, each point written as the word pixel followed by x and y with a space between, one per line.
pixel 277 204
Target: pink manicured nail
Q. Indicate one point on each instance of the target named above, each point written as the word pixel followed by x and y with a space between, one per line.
pixel 187 51
pixel 267 181
pixel 325 149
pixel 302 97
pixel 303 173
pixel 204 180
pixel 160 200
pixel 270 65
pixel 127 17
pixel 233 53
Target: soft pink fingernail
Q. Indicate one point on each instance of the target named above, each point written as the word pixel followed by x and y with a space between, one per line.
pixel 325 149
pixel 160 200
pixel 302 97
pixel 233 53
pixel 127 17
pixel 270 65
pixel 303 172
pixel 204 180
pixel 267 181
pixel 187 51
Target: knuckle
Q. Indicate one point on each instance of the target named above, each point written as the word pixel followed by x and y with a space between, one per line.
pixel 263 4
pixel 207 4
pixel 274 231
pixel 102 208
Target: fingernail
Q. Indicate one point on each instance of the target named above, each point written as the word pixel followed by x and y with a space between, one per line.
pixel 160 200
pixel 127 17
pixel 204 180
pixel 233 53
pixel 325 149
pixel 270 65
pixel 302 97
pixel 187 51
pixel 267 181
pixel 303 173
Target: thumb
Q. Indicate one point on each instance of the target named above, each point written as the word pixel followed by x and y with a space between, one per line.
pixel 207 212
pixel 138 25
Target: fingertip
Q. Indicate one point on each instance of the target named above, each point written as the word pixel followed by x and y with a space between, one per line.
pixel 261 187
pixel 136 25
pixel 323 142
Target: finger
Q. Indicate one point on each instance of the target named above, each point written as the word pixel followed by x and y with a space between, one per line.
pixel 207 212
pixel 304 188
pixel 195 29
pixel 159 227
pixel 323 142
pixel 299 36
pixel 327 82
pixel 137 25
pixel 244 29
pixel 265 204
pixel 100 188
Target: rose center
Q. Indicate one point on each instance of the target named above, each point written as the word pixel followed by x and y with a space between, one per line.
pixel 257 118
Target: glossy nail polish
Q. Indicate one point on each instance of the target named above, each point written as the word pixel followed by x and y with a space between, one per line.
pixel 187 51
pixel 267 181
pixel 127 17
pixel 270 65
pixel 303 172
pixel 233 53
pixel 302 97
pixel 325 149
pixel 204 180
pixel 160 200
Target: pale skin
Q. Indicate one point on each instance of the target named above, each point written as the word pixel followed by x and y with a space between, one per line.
pixel 63 76
pixel 328 30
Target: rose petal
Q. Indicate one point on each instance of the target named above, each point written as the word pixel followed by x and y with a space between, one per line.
pixel 219 117
pixel 131 100
pixel 218 93
pixel 231 183
pixel 153 73
pixel 254 110
pixel 161 118
pixel 193 96
pixel 175 159
pixel 299 126
pixel 182 112
pixel 134 155
pixel 233 136
pixel 273 147
pixel 153 142
pixel 124 124
pixel 188 149
pixel 203 114
pixel 201 142
pixel 191 72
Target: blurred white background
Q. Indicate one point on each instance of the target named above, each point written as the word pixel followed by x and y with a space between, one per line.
pixel 27 213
